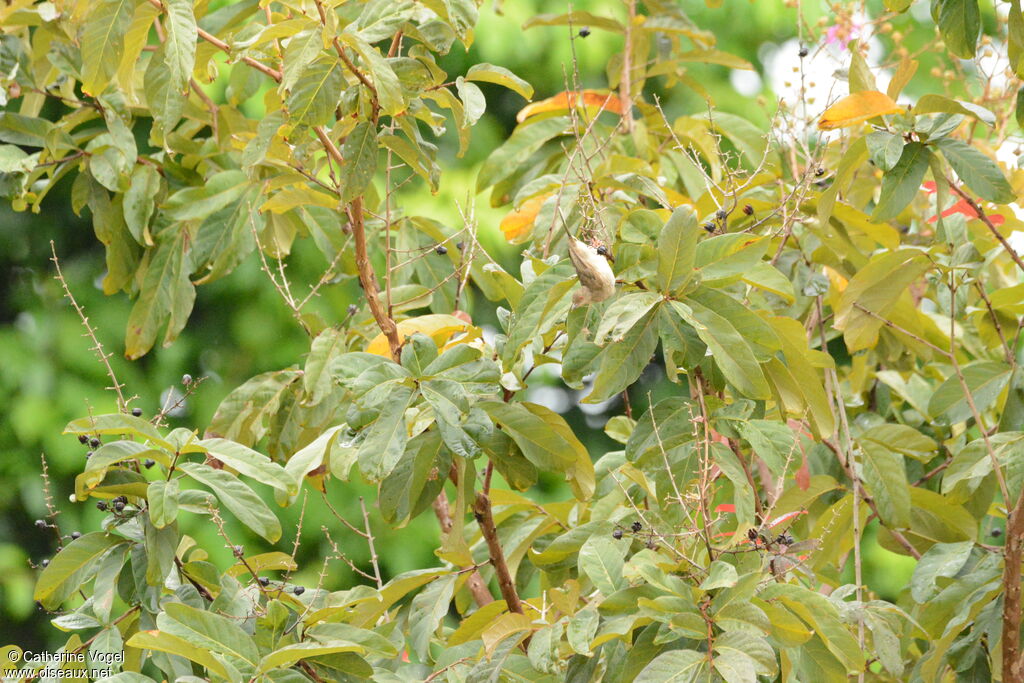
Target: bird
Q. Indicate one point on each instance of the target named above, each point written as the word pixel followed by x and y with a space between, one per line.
pixel 597 280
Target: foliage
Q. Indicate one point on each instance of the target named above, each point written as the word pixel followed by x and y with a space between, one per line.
pixel 843 337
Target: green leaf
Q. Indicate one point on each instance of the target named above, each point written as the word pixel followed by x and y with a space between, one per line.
pixel 165 642
pixel 577 19
pixel 885 478
pixel 218 191
pixel 901 184
pixel 736 667
pixel 941 560
pixel 71 567
pixel 316 376
pixel 980 173
pixel 623 314
pixel 285 657
pixel 489 73
pixel 730 350
pixel 166 295
pixel 360 152
pixel 885 148
pixel 139 202
pixel 984 379
pixel 677 247
pixel 250 463
pixel 932 103
pixel 208 631
pixel 675 666
pixel 386 437
pixel 525 140
pixel 170 68
pixel 389 88
pixel 773 442
pixel 959 23
pixel 621 362
pixel 720 575
pixel 428 608
pixel 103 43
pixel 317 92
pixel 238 498
pixel 600 559
pixel 162 497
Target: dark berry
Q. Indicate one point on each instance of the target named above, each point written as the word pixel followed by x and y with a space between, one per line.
pixel 76 535
pixel 101 506
pixel 298 590
pixel 186 379
pixel 721 214
pixel 441 249
pixel 82 438
pixel 94 442
pixel 123 499
pixel 238 550
pixel 637 526
pixel 88 454
pixel 118 505
pixel 752 534
pixel 617 534
pixel 749 210
pixel 460 245
pixel 148 463
pixel 710 227
pixel 820 171
pixel 45 563
pixel 584 32
pixel 41 523
pixel 264 581
pixel 996 533
pixel 803 51
pixel 137 412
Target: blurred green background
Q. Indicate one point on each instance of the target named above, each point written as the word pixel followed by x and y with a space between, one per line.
pixel 240 327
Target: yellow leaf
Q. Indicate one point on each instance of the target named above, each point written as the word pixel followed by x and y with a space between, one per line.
pixel 505 626
pixel 594 100
pixel 438 326
pixel 856 108
pixel 518 223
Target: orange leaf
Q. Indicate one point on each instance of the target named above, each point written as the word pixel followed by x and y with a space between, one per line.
pixel 518 223
pixel 592 99
pixel 856 108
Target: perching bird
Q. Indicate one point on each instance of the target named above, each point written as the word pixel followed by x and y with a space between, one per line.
pixel 597 281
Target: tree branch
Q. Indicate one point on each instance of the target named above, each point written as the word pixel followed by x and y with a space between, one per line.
pixel 1013 665
pixel 482 512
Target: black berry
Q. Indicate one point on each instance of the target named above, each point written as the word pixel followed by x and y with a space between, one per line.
pixel 460 245
pixel 264 581
pixel 584 32
pixel 298 590
pixel 41 523
pixel 441 249
pixel 82 438
pixel 637 526
pixel 148 463
pixel 101 506
pixel 803 51
pixel 137 412
pixel 996 533
pixel 617 534
pixel 749 210
pixel 94 442
pixel 721 214
pixel 186 379
pixel 710 227
pixel 820 171
pixel 752 534
pixel 76 535
pixel 118 505
pixel 88 454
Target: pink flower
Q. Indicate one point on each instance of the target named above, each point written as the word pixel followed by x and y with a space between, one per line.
pixel 842 32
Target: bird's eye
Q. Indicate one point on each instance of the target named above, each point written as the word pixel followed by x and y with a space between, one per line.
pixel 602 250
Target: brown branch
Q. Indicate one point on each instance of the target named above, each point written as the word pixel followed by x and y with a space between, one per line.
pixel 988 223
pixel 482 512
pixel 626 81
pixel 104 357
pixel 477 588
pixel 1013 665
pixel 368 279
